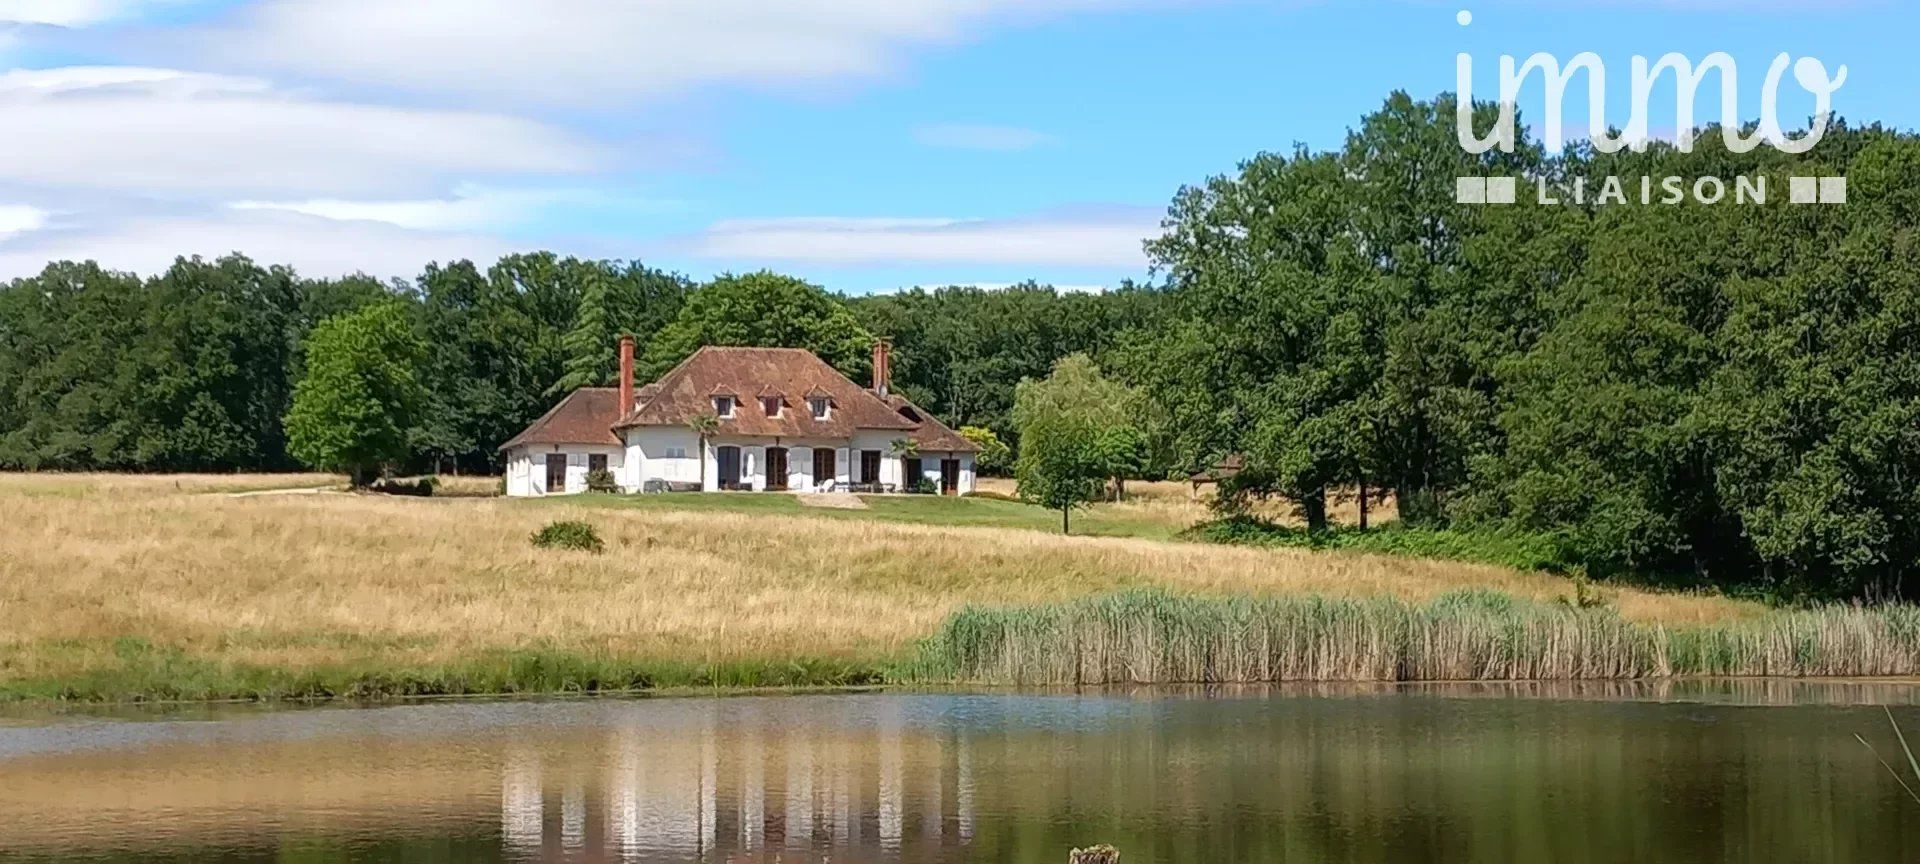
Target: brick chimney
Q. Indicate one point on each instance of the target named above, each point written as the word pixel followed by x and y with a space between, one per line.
pixel 882 366
pixel 626 376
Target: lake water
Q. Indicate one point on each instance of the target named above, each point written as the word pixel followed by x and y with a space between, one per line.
pixel 1752 771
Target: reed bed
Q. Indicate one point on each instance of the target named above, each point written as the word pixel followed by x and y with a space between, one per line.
pixel 1157 637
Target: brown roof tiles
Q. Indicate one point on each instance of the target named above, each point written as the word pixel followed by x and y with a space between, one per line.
pixel 586 416
pixel 683 394
pixel 930 434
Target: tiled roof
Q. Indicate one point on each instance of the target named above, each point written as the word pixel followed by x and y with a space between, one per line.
pixel 932 435
pixel 586 416
pixel 686 392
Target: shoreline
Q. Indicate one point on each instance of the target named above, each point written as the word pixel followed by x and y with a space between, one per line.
pixel 1758 691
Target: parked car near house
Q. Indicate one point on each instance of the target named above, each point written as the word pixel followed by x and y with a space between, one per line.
pixel 783 420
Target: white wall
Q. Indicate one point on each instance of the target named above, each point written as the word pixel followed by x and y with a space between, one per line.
pixel 881 440
pixel 648 456
pixel 519 473
pixel 527 467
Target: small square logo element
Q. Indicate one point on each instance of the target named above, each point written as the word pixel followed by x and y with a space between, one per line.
pixel 1833 190
pixel 1470 190
pixel 1502 190
pixel 1804 190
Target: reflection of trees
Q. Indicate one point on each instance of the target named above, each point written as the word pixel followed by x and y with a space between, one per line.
pixel 1402 778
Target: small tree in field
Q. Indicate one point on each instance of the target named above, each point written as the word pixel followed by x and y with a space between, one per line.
pixel 1059 469
pixel 1063 462
pixel 360 396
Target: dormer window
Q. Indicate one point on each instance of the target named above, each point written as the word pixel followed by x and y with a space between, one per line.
pixel 723 407
pixel 820 405
pixel 771 405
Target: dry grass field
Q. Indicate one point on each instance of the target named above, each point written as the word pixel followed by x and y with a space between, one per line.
pixel 116 586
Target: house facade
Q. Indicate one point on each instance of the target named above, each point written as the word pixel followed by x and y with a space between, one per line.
pixel 741 419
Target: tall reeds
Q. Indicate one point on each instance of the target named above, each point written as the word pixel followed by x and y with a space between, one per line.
pixel 1472 635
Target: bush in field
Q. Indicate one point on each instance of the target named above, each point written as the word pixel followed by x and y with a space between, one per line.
pixel 567 534
pixel 601 481
pixel 421 488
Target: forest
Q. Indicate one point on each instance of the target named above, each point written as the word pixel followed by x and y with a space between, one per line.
pixel 1729 392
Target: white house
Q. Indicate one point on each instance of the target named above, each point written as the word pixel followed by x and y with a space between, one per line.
pixel 780 419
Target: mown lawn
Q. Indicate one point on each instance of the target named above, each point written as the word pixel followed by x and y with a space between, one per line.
pixel 1154 519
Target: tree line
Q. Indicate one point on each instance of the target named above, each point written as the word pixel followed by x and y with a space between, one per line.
pixel 195 369
pixel 1726 392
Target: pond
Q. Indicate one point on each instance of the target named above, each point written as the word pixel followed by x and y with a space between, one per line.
pixel 1743 771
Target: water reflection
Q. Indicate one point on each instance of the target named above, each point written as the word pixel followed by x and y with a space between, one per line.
pixel 1306 774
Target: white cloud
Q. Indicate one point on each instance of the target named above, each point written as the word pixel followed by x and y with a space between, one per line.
pixel 313 246
pixel 589 51
pixel 1110 237
pixel 469 208
pixel 64 13
pixel 967 136
pixel 20 219
pixel 144 129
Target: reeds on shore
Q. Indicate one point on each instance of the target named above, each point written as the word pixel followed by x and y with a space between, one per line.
pixel 1154 636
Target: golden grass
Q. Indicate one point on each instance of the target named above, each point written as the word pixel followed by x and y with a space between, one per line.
pixel 318 581
pixel 59 485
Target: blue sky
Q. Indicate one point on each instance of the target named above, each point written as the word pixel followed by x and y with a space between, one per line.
pixel 864 144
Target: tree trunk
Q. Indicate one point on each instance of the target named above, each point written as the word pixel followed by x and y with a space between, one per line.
pixel 1363 505
pixel 703 462
pixel 357 475
pixel 1314 507
pixel 1066 523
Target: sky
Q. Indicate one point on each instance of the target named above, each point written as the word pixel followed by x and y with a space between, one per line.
pixel 866 145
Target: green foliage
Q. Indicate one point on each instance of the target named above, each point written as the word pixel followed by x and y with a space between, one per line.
pixel 360 396
pixel 994 457
pixel 615 300
pixel 602 480
pixel 1731 392
pixel 959 352
pixel 183 371
pixel 569 534
pixel 763 309
pixel 1064 421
